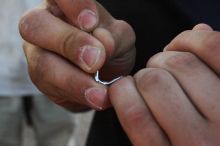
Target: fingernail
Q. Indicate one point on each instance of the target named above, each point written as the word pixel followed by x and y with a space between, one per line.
pixel 90 56
pixel 87 19
pixel 96 97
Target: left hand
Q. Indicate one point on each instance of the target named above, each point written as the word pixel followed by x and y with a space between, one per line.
pixel 175 101
pixel 68 41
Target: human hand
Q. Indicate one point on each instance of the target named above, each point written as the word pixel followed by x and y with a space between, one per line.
pixel 62 57
pixel 175 100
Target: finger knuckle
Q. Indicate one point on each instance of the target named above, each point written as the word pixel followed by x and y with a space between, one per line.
pixel 134 114
pixel 210 43
pixel 71 42
pixel 153 61
pixel 179 39
pixel 39 69
pixel 184 34
pixel 147 78
pixel 121 26
pixel 181 60
pixel 66 42
pixel 29 23
pixel 201 142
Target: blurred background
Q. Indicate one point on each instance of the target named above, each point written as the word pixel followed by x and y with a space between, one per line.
pixel 27 117
pixel 82 123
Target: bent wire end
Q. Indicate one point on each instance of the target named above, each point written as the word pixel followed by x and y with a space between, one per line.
pixel 107 83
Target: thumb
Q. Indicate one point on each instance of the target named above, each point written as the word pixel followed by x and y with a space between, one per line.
pixel 81 13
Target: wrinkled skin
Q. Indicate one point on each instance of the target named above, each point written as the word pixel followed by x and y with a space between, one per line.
pixel 174 101
pixel 68 42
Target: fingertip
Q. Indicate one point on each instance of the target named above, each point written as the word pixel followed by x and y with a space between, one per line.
pixel 25 23
pixel 118 86
pixel 92 58
pixel 81 13
pixel 97 98
pixel 87 20
pixel 202 26
pixel 33 25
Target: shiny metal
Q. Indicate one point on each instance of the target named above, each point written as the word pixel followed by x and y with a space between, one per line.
pixel 96 77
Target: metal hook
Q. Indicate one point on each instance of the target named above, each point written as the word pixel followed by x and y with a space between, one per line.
pixel 96 77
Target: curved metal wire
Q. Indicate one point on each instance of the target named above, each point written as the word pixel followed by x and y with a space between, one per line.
pixel 107 83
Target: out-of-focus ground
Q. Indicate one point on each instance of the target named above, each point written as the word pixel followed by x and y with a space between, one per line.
pixel 82 123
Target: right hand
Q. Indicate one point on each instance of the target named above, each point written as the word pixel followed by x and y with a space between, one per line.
pixel 174 101
pixel 67 41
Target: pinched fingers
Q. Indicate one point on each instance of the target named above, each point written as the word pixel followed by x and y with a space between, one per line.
pixel 47 31
pixel 64 83
pixel 120 48
pixel 66 43
pixel 117 36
